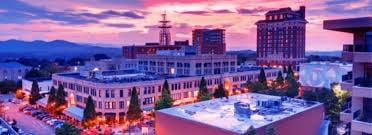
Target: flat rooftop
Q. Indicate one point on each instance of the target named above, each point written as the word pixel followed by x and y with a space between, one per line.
pixel 221 112
pixel 350 25
pixel 146 76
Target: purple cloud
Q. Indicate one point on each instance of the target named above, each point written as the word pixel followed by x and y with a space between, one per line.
pixel 120 25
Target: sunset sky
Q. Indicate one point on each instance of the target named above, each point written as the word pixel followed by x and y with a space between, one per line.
pixel 127 22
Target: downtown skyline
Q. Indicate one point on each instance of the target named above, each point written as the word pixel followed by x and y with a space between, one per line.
pixel 135 22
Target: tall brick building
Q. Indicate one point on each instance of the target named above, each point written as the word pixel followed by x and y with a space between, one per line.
pixel 281 38
pixel 209 41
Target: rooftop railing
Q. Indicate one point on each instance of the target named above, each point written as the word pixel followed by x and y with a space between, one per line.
pixel 362 48
pixel 347 77
pixel 363 81
pixel 362 116
pixel 348 48
pixel 356 48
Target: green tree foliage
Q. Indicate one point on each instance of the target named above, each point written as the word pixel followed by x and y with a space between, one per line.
pixel 270 130
pixel 52 99
pixel 290 74
pixel 34 73
pixel 333 103
pixel 60 100
pixel 279 79
pixel 100 56
pixel 134 111
pixel 251 131
pixel 220 92
pixel 262 77
pixel 49 69
pixel 61 96
pixel 89 113
pixel 257 87
pixel 165 100
pixel 203 91
pixel 285 69
pixel 7 86
pixel 292 89
pixel 67 129
pixel 35 93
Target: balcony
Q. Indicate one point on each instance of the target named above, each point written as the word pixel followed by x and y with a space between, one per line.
pixel 347 82
pixel 346 116
pixel 347 52
pixel 361 122
pixel 362 54
pixel 362 87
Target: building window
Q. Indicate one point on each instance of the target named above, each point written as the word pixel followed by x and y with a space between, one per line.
pixel 107 105
pixel 121 93
pixel 112 93
pixel 107 93
pixel 100 105
pixel 93 92
pixel 86 90
pixel 79 98
pixel 113 105
pixel 121 104
pixel 149 100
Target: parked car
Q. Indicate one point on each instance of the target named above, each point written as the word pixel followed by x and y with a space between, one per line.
pixel 35 113
pixel 47 118
pixel 50 122
pixel 41 116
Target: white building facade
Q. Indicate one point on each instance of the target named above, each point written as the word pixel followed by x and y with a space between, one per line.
pixel 45 84
pixel 112 95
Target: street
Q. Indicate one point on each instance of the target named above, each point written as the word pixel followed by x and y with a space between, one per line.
pixel 25 122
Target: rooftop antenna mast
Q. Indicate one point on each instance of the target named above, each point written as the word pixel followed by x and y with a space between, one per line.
pixel 164 35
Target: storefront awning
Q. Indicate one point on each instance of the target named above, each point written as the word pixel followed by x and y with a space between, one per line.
pixel 74 112
pixel 42 102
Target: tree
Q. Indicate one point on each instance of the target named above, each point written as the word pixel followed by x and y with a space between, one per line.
pixel 279 79
pixel 270 130
pixel 332 104
pixel 52 99
pixel 262 77
pixel 251 131
pixel 7 86
pixel 34 73
pixel 60 99
pixel 100 56
pixel 203 91
pixel 290 74
pixel 293 86
pixel 89 113
pixel 67 129
pixel 134 111
pixel 165 100
pixel 35 93
pixel 219 92
pixel 284 69
pixel 49 69
pixel 257 87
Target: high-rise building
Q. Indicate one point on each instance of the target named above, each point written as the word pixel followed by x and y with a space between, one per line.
pixel 281 38
pixel 164 35
pixel 359 115
pixel 209 41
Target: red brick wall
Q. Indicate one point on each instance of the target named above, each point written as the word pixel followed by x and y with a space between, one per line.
pixel 304 123
pixel 170 125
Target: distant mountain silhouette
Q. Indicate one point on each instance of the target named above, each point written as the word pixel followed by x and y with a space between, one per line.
pixel 54 49
pixel 324 53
